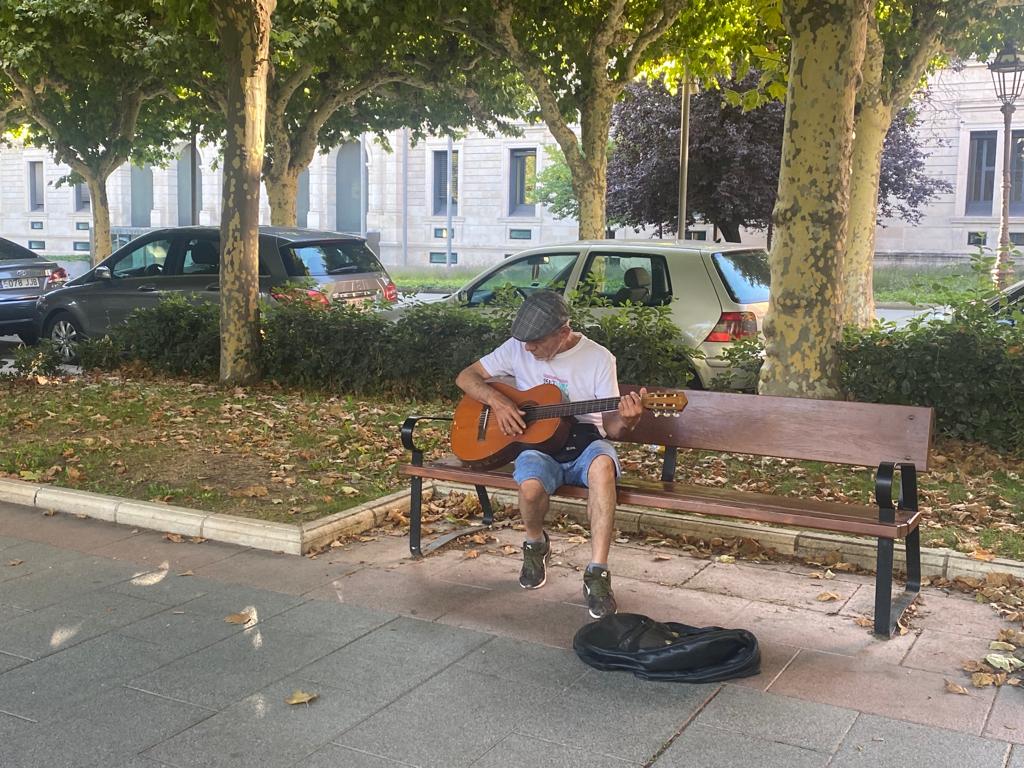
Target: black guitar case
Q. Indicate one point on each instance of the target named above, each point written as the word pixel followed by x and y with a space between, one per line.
pixel 655 651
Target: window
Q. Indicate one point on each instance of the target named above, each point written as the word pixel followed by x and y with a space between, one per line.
pixel 615 278
pixel 520 234
pixel 35 186
pixel 522 182
pixel 347 257
pixel 441 257
pixel 82 200
pixel 443 232
pixel 82 226
pixel 981 173
pixel 440 206
pixel 145 261
pixel 525 275
pixel 37 245
pixel 35 225
pixel 696 234
pixel 82 246
pixel 746 275
pixel 977 238
pixel 1017 238
pixel 202 257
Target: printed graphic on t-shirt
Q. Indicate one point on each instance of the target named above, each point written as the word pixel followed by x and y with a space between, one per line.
pixel 562 384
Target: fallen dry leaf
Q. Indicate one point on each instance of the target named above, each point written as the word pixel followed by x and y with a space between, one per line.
pixel 864 621
pixel 348 490
pixel 982 679
pixel 246 618
pixel 999 645
pixel 186 573
pixel 982 554
pixel 472 554
pixel 177 538
pixel 661 558
pixel 952 687
pixel 826 597
pixel 726 559
pixel 13 563
pixel 301 697
pixel 973 665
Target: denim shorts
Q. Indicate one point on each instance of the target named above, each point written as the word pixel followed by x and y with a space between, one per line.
pixel 552 474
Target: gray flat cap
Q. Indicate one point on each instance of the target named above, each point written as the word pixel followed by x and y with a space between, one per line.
pixel 543 313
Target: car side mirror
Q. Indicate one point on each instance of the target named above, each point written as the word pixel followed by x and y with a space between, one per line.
pixel 102 273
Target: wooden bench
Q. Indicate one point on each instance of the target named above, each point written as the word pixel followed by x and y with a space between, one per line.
pixel 894 438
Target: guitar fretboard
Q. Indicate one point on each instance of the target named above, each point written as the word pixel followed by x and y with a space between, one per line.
pixel 537 412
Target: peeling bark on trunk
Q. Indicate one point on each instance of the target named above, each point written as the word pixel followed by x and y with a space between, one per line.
pixel 591 191
pixel 101 247
pixel 283 193
pixel 244 31
pixel 810 216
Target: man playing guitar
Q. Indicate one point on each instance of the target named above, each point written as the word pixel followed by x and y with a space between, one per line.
pixel 544 349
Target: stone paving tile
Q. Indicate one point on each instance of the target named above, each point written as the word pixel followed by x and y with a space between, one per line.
pixel 178 629
pixel 515 661
pixel 809 629
pixel 449 721
pixel 8 661
pixel 333 756
pixel 774 658
pixel 64 680
pixel 875 741
pixel 702 747
pixel 137 761
pixel 883 689
pixel 383 551
pixel 679 604
pixel 162 585
pixel 60 582
pixel 320 618
pixel 398 591
pixel 8 541
pixel 501 574
pixel 276 571
pixel 1006 720
pixel 149 549
pixel 393 659
pixel 262 730
pixel 35 557
pixel 1016 757
pixel 68 531
pixel 219 599
pixel 771 717
pixel 8 612
pixel 945 652
pixel 960 614
pixel 524 615
pixel 515 751
pixel 615 714
pixel 231 669
pixel 643 564
pixel 765 585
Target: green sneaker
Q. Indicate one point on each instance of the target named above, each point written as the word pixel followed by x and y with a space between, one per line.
pixel 597 589
pixel 535 564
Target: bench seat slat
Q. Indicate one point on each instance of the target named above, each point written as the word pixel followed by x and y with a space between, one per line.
pixel 814 514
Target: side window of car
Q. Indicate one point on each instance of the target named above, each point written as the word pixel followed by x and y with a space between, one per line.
pixel 201 257
pixel 525 275
pixel 617 278
pixel 145 261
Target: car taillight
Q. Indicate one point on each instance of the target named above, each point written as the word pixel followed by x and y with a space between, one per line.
pixel 59 275
pixel 734 325
pixel 390 291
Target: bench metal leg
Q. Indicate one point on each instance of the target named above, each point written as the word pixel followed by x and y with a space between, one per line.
pixel 887 610
pixel 415 511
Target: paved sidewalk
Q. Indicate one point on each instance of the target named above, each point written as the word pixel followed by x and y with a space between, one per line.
pixel 114 652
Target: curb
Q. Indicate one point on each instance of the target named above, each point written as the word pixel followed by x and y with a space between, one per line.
pixel 811 545
pixel 230 529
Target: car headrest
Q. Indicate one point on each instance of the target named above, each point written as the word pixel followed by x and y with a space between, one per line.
pixel 637 277
pixel 205 252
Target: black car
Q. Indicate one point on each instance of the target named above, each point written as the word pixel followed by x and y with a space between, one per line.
pixel 24 276
pixel 185 261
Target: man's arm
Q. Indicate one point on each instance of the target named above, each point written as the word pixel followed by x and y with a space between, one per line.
pixel 473 381
pixel 618 424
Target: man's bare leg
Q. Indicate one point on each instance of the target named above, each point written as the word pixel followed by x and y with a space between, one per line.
pixel 533 507
pixel 601 501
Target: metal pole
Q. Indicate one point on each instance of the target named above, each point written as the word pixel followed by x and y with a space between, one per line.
pixel 194 171
pixel 684 153
pixel 405 197
pixel 1003 267
pixel 363 184
pixel 448 225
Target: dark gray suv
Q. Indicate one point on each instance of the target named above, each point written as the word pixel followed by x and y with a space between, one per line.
pixel 24 276
pixel 186 261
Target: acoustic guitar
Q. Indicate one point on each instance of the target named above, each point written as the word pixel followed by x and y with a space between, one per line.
pixel 477 439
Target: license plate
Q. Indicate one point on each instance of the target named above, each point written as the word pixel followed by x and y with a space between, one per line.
pixel 20 282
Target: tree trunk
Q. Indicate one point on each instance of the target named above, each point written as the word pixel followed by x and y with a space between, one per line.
pixel 101 246
pixel 810 216
pixel 591 190
pixel 283 192
pixel 244 32
pixel 730 231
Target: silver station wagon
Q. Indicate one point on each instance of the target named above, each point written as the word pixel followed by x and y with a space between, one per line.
pixel 716 293
pixel 186 260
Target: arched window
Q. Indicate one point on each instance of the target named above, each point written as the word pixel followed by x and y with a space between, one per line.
pixel 185 183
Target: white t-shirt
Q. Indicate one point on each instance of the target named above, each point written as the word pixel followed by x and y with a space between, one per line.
pixel 584 372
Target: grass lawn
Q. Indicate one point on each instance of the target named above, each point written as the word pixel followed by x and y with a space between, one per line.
pixel 296 456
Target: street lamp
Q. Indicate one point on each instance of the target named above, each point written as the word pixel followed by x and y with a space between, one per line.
pixel 1008 78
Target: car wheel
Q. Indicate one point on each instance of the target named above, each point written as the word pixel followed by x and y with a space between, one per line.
pixel 29 338
pixel 65 333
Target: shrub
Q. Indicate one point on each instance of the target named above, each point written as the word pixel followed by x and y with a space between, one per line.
pixel 42 359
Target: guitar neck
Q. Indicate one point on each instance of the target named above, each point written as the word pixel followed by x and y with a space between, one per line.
pixel 537 412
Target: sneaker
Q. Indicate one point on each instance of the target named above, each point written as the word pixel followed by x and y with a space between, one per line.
pixel 597 589
pixel 535 564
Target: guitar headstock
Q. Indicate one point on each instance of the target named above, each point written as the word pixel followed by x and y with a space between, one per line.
pixel 664 403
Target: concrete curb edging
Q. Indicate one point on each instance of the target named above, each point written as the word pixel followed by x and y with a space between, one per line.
pixel 230 529
pixel 944 563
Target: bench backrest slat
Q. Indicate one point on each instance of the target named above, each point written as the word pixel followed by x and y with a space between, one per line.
pixel 863 434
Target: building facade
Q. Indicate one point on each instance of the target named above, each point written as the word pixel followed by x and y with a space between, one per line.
pixel 401 194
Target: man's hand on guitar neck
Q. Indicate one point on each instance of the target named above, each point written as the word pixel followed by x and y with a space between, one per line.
pixel 618 423
pixel 473 381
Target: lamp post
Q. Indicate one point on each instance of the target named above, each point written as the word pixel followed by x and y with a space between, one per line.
pixel 1008 78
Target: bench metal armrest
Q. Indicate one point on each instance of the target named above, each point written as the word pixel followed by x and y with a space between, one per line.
pixel 408 426
pixel 907 499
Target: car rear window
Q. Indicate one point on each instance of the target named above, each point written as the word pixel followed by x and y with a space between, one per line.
pixel 321 259
pixel 745 274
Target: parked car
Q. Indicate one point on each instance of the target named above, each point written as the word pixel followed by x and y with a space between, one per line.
pixel 1009 301
pixel 24 276
pixel 186 261
pixel 716 293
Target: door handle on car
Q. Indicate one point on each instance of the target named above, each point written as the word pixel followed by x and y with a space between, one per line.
pixel 213 287
pixel 147 288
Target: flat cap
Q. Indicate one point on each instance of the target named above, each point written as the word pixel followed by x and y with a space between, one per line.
pixel 543 313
